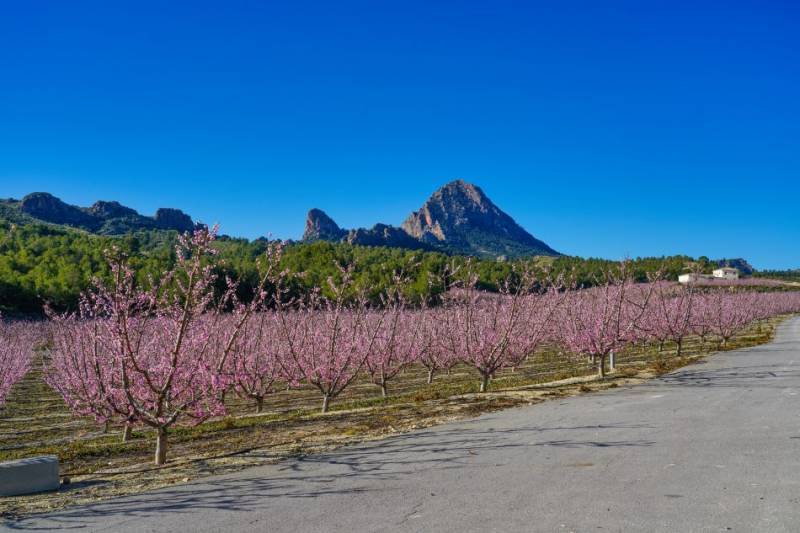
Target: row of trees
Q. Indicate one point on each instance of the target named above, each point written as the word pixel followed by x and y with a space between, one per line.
pixel 168 351
pixel 18 339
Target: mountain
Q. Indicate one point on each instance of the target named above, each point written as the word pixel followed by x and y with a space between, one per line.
pixel 458 218
pixel 740 264
pixel 105 218
pixel 321 227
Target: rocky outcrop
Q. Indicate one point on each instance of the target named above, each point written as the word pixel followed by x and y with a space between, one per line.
pixel 384 235
pixel 319 226
pixel 45 206
pixel 175 219
pixel 106 210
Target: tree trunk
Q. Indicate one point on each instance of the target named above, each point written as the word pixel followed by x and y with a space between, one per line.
pixel 384 390
pixel 126 432
pixel 601 366
pixel 430 376
pixel 660 346
pixel 259 404
pixel 680 347
pixel 326 400
pixel 161 446
pixel 484 382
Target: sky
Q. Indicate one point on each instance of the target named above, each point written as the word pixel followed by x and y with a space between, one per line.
pixel 607 129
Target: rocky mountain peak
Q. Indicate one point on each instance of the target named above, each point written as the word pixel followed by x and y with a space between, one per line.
pixel 457 218
pixel 319 226
pixel 459 192
pixel 457 203
pixel 47 207
pixel 461 217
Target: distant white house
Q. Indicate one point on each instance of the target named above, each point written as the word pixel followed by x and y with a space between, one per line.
pixel 694 278
pixel 726 273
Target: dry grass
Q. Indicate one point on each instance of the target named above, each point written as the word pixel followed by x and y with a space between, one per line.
pixel 36 422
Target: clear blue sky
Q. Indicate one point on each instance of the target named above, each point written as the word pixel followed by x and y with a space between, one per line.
pixel 605 128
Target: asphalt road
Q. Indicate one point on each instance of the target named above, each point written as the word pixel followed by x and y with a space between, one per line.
pixel 713 447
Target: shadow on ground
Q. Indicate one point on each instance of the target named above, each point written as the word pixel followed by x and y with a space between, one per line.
pixel 395 457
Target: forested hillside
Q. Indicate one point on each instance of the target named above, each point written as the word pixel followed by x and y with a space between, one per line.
pixel 45 264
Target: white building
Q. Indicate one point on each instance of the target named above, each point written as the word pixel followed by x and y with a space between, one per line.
pixel 694 278
pixel 726 273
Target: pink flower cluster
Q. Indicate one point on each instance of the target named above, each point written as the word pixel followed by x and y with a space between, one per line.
pixel 168 351
pixel 18 339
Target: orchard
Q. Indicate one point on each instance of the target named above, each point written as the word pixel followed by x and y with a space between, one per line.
pixel 169 352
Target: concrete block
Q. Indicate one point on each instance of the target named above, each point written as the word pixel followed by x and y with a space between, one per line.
pixel 26 476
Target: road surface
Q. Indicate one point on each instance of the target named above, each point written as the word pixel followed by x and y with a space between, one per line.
pixel 712 447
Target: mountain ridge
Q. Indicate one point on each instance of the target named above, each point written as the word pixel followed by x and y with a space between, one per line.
pixel 102 217
pixel 114 219
pixel 457 218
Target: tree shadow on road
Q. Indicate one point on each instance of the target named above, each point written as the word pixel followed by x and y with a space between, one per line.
pixel 346 471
